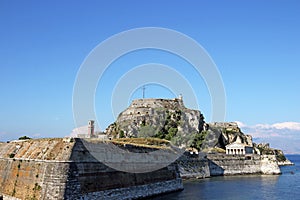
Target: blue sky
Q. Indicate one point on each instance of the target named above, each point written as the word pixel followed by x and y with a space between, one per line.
pixel 255 45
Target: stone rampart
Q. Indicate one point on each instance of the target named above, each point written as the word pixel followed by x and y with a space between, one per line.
pixel 193 166
pixel 222 164
pixel 64 169
pixel 201 166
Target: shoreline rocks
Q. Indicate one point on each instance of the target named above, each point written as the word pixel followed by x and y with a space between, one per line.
pixel 285 163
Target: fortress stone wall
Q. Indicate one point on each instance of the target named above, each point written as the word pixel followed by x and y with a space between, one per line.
pixel 202 166
pixel 147 107
pixel 64 169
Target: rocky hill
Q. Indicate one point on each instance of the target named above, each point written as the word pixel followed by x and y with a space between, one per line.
pixel 162 118
pixel 170 119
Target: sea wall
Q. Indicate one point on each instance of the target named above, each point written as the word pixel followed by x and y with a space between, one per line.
pixel 193 166
pixel 91 179
pixel 200 166
pixel 222 164
pixel 64 169
pixel 96 181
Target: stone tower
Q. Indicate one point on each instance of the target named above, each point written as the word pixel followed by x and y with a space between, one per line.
pixel 180 97
pixel 91 128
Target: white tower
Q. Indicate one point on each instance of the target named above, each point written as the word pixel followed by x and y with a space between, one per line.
pixel 180 97
pixel 91 128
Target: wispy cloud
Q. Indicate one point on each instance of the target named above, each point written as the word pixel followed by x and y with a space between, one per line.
pixel 284 135
pixel 288 125
pixel 78 130
pixel 36 135
pixel 2 133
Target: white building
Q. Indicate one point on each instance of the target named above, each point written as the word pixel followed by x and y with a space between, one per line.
pixel 238 148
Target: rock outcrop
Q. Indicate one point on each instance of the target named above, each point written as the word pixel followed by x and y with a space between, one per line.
pixel 220 134
pixel 265 149
pixel 161 118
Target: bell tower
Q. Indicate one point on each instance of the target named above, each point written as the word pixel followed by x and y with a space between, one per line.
pixel 91 128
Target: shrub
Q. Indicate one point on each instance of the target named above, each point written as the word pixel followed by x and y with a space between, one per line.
pixel 37 187
pixel 24 138
pixel 12 155
pixel 199 139
pixel 280 157
pixel 121 134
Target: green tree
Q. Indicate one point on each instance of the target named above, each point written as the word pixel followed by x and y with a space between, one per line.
pixel 121 134
pixel 199 139
pixel 24 138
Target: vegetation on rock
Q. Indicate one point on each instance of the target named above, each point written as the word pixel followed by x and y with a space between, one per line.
pixel 265 149
pixel 170 127
pixel 24 138
pixel 199 139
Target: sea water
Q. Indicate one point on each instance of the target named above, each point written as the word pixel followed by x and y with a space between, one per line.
pixel 285 186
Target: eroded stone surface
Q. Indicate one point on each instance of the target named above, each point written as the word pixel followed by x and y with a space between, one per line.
pixel 64 169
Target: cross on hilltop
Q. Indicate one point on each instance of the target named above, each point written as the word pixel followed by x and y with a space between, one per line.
pixel 144 88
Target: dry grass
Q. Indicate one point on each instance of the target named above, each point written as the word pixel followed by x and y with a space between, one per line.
pixel 214 150
pixel 144 142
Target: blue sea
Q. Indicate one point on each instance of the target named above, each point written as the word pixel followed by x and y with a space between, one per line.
pixel 285 186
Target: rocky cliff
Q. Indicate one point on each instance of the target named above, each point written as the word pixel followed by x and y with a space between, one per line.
pixel 220 134
pixel 265 149
pixel 162 118
pixel 170 119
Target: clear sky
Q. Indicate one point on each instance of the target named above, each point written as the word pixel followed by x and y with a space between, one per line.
pixel 255 45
